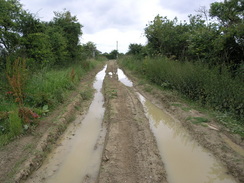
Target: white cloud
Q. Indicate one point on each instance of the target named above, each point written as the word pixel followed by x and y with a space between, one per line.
pixel 106 40
pixel 108 21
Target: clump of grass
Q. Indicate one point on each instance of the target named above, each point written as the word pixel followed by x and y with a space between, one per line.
pixel 197 120
pixel 10 127
pixel 86 94
pixel 185 108
pixel 50 87
pixel 113 93
pixel 148 89
pixel 15 124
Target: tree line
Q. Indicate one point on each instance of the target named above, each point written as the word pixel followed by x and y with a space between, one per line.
pixel 214 37
pixel 41 43
pixel 202 59
pixel 40 64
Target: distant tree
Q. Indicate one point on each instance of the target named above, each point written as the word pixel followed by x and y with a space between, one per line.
pixel 89 50
pixel 135 49
pixel 112 55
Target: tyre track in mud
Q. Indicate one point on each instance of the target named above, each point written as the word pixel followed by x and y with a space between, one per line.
pixel 130 152
pixel 226 147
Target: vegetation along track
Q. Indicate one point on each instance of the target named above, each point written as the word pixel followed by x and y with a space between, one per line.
pixel 129 150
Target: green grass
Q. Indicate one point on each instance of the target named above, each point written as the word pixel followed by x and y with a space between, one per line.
pixel 148 89
pixel 86 94
pixel 197 120
pixel 44 90
pixel 15 124
pixel 208 87
pixel 112 93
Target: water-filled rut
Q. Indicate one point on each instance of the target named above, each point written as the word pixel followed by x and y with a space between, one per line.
pixel 78 155
pixel 185 160
pixel 137 142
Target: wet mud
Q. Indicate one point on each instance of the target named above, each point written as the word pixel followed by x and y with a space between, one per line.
pixel 185 160
pixel 79 151
pixel 124 137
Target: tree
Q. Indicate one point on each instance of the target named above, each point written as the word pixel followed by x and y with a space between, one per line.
pixel 201 38
pixel 72 31
pixel 38 50
pixel 229 46
pixel 10 12
pixel 89 50
pixel 58 44
pixel 229 12
pixel 135 49
pixel 166 37
pixel 112 55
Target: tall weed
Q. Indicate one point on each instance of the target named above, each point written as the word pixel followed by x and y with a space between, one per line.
pixel 22 98
pixel 196 81
pixel 16 75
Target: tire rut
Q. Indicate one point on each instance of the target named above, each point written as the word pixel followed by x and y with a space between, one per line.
pixel 131 153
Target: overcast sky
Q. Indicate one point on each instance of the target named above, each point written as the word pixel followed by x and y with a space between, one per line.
pixel 108 21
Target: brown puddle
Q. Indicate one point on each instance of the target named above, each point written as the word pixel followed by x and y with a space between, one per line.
pixel 185 160
pixel 79 153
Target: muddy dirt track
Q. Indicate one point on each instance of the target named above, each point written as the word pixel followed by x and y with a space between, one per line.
pixel 131 153
pixel 123 146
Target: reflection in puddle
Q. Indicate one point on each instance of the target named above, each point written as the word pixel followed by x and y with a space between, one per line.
pixel 80 150
pixel 123 78
pixel 110 74
pixel 185 161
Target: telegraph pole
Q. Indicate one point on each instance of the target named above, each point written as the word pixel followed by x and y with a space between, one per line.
pixel 117 48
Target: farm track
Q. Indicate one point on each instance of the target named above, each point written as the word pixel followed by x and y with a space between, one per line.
pixel 130 153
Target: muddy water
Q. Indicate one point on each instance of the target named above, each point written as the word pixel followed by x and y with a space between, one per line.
pixel 79 153
pixel 123 78
pixel 184 159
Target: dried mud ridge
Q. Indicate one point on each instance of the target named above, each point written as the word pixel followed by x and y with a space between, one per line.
pixel 130 152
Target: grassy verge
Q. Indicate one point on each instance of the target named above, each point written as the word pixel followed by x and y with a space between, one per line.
pixel 43 91
pixel 218 92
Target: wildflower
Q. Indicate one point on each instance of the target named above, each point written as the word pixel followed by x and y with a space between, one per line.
pixel 34 115
pixel 9 93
